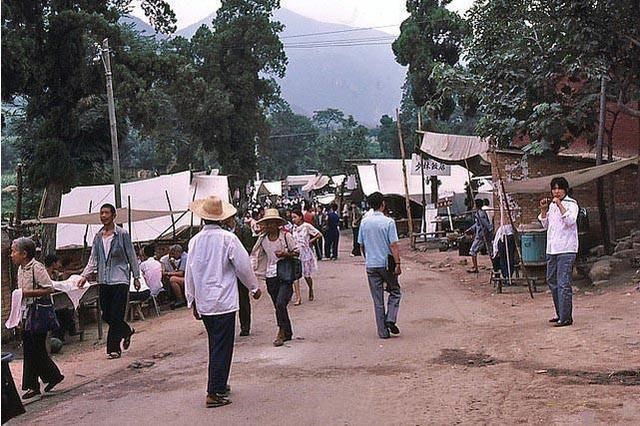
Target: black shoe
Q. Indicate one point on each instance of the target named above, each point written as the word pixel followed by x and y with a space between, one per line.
pixel 563 323
pixel 30 394
pixel 554 319
pixel 393 328
pixel 287 337
pixel 53 383
pixel 127 340
pixel 244 333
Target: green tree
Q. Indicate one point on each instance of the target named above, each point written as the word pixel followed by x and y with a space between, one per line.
pixel 288 148
pixel 431 34
pixel 388 137
pixel 48 48
pixel 247 52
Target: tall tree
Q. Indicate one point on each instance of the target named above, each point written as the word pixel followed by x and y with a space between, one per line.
pixel 431 34
pixel 248 54
pixel 48 48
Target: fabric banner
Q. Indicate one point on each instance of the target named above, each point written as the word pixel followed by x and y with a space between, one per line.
pixel 453 147
pixel 431 167
pixel 575 178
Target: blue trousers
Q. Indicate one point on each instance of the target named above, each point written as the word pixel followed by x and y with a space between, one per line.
pixel 221 332
pixel 559 271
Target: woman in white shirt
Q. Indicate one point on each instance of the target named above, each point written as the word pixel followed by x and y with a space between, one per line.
pixel 306 235
pixel 559 217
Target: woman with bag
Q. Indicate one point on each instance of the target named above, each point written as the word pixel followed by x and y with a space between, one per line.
pixel 38 318
pixel 274 258
pixel 306 235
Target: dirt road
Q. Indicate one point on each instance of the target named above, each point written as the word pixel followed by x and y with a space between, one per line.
pixel 464 356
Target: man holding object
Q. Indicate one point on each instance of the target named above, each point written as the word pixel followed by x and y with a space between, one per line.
pixel 217 260
pixel 378 239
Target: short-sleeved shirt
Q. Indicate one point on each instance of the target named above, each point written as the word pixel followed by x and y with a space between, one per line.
pixel 30 276
pixel 181 263
pixel 377 232
pixel 152 271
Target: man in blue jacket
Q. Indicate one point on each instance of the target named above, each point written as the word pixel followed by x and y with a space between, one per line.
pixel 113 257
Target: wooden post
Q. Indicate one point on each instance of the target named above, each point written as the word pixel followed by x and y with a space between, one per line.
pixel 173 223
pixel 602 206
pixel 106 58
pixel 84 238
pixel 18 216
pixel 406 184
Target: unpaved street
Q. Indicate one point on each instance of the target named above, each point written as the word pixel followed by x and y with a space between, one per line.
pixel 464 356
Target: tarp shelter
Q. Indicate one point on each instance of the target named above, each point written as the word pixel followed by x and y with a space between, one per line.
pixel 318 182
pixel 575 178
pixel 385 176
pixel 470 151
pixel 148 195
pixel 298 180
pixel 270 188
pixel 94 218
pixel 338 179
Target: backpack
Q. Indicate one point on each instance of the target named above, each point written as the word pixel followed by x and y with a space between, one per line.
pixel 583 219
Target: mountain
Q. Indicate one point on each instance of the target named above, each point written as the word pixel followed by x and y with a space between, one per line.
pixel 361 80
pixel 142 27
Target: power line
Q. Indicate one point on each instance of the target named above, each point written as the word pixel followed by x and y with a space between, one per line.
pixel 340 31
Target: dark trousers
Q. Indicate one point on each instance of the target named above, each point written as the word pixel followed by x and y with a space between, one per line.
pixel 245 308
pixel 220 330
pixel 331 245
pixel 318 246
pixel 66 318
pixel 356 247
pixel 37 363
pixel 113 302
pixel 281 292
pixel 139 296
pixel 559 271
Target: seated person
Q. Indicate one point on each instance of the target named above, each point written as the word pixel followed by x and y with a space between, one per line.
pixel 173 266
pixel 141 294
pixel 151 269
pixel 66 316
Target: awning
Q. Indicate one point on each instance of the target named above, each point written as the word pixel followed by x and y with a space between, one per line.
pixel 575 178
pixel 122 214
pixel 299 180
pixel 326 199
pixel 317 182
pixel 338 179
pixel 270 188
pixel 453 148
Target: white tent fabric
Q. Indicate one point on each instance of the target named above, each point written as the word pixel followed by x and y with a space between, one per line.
pixel 270 188
pixel 338 179
pixel 352 183
pixel 148 195
pixel 326 199
pixel 94 218
pixel 386 176
pixel 453 147
pixel 318 182
pixel 299 180
pixel 575 178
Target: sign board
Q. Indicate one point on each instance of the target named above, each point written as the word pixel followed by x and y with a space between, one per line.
pixel 445 203
pixel 431 167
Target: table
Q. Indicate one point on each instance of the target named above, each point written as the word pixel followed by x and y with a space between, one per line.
pixel 90 299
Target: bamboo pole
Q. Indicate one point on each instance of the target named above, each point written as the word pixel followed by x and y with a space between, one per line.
pixel 406 184
pixel 173 223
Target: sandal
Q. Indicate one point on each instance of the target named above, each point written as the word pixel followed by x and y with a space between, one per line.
pixel 297 302
pixel 127 340
pixel 473 271
pixel 114 355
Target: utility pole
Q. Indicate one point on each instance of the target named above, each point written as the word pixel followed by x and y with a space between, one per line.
pixel 106 61
pixel 406 184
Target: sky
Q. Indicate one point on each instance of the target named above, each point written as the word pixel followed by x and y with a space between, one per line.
pixel 355 13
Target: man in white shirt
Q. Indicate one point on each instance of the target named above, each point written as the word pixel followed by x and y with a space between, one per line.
pixel 151 269
pixel 217 260
pixel 559 219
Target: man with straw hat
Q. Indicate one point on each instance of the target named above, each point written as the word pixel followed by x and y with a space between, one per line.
pixel 216 261
pixel 272 245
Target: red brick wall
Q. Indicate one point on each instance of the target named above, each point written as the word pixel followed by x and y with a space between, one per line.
pixel 625 183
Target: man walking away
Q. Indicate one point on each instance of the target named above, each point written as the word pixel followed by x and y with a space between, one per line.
pixel 216 262
pixel 333 233
pixel 356 217
pixel 559 218
pixel 378 239
pixel 483 230
pixel 113 257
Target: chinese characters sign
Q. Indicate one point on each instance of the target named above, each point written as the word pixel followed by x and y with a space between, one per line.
pixel 431 167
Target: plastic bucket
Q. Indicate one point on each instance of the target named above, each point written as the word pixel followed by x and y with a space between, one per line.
pixel 534 247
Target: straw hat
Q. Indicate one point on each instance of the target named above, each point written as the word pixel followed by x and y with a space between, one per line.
pixel 212 208
pixel 272 214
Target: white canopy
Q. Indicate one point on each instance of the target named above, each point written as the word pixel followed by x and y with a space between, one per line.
pixel 94 218
pixel 385 176
pixel 299 180
pixel 317 182
pixel 145 195
pixel 453 147
pixel 270 188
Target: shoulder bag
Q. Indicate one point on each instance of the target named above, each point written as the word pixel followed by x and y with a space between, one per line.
pixel 41 315
pixel 290 268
